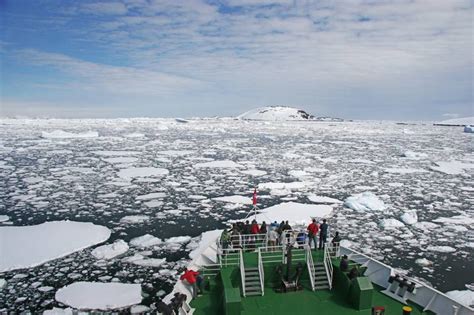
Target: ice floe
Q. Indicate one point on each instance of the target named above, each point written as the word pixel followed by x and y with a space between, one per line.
pixel 323 199
pixel 235 199
pixel 254 172
pixel 365 201
pixel 218 164
pixel 452 167
pixel 133 172
pixel 146 240
pixel 423 262
pixel 295 213
pixel 61 134
pixel 409 217
pixel 4 218
pixel 99 296
pixel 133 219
pixel 29 246
pixel 414 155
pixel 441 249
pixel 391 223
pixel 154 195
pixel 110 251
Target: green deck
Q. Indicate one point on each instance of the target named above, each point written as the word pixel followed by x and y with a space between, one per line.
pixel 301 302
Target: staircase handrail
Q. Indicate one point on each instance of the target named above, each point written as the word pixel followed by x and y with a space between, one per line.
pixel 310 265
pixel 328 264
pixel 242 271
pixel 261 271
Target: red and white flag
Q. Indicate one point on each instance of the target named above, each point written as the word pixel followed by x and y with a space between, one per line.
pixel 254 199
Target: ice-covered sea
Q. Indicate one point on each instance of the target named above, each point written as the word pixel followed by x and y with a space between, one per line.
pixel 161 177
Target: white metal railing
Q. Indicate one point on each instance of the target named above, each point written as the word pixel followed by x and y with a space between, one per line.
pixel 261 272
pixel 328 264
pixel 248 241
pixel 184 309
pixel 298 254
pixel 229 257
pixel 210 270
pixel 242 271
pixel 310 265
pixel 272 254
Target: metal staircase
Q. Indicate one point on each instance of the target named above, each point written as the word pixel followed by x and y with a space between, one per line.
pixel 252 282
pixel 320 277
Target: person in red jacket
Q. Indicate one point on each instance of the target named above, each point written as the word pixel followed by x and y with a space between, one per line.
pixel 193 279
pixel 313 230
pixel 254 229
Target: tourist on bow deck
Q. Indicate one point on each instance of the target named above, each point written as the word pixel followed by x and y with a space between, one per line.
pixel 263 228
pixel 313 230
pixel 272 238
pixel 323 234
pixel 344 264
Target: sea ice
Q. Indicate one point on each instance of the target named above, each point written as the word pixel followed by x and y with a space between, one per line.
pixel 365 201
pixel 281 186
pixel 451 167
pixel 60 134
pixel 146 240
pixel 132 219
pixel 295 213
pixel 235 199
pixel 154 195
pixel 391 223
pixel 323 199
pixel 4 218
pixel 178 240
pixel 99 296
pixel 122 159
pixel 410 217
pixel 254 172
pixel 110 251
pixel 218 164
pixel 29 246
pixel 3 283
pixel 423 262
pixel 441 249
pixel 133 172
pixel 414 155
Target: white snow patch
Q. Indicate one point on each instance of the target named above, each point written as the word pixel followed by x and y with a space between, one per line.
pixel 458 121
pixel 110 251
pixel 100 296
pixel 29 246
pixel 451 167
pixel 275 113
pixel 365 201
pixel 61 134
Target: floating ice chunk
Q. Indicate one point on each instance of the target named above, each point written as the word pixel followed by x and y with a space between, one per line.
pixel 118 160
pixel 323 199
pixel 400 170
pixel 154 195
pixel 441 249
pixel 295 213
pixel 149 262
pixel 133 172
pixel 146 240
pixel 469 129
pixel 99 296
pixel 115 153
pixel 3 283
pixel 4 218
pixel 426 225
pixel 410 217
pixel 154 203
pixel 391 223
pixel 414 155
pixel 139 309
pixel 451 167
pixel 465 297
pixel 178 240
pixel 235 199
pixel 345 243
pixel 45 289
pixel 218 164
pixel 457 219
pixel 134 219
pixel 365 201
pixel 423 262
pixel 254 172
pixel 63 311
pixel 175 152
pixel 119 247
pixel 60 134
pixel 281 186
pixel 29 246
pixel 298 173
pixel 134 135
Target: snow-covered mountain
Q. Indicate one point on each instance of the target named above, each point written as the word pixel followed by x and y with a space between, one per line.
pixel 281 113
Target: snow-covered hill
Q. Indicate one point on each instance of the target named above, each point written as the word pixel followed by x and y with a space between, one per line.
pixel 281 113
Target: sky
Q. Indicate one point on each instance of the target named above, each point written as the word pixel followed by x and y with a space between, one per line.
pixel 353 59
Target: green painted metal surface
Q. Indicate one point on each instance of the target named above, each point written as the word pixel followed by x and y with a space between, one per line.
pixel 360 293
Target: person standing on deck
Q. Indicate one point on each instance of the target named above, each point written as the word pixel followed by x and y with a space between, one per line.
pixel 323 234
pixel 272 238
pixel 192 278
pixel 313 230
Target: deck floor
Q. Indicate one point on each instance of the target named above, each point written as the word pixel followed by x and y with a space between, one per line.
pixel 302 302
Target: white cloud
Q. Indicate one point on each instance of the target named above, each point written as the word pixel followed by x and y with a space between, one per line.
pixel 113 8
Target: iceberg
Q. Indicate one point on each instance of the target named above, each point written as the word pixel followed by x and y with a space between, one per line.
pixel 118 248
pixel 410 217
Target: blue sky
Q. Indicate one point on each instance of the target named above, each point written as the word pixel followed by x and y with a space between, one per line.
pixel 357 59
